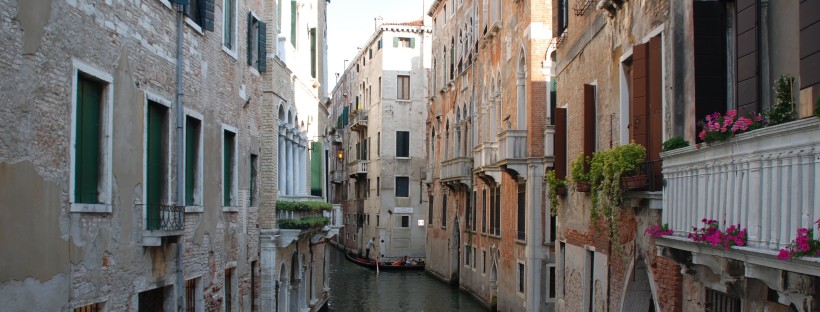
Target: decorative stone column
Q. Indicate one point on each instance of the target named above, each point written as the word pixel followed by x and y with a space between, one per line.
pixel 533 252
pixel 267 255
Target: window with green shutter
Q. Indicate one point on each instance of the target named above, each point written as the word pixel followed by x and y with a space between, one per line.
pixel 155 163
pixel 312 34
pixel 87 141
pixel 192 133
pixel 293 18
pixel 252 187
pixel 227 167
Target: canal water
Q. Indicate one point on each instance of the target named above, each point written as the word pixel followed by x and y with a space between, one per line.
pixel 355 288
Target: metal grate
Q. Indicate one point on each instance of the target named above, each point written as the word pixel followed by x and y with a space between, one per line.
pixel 717 301
pixel 190 295
pixel 94 307
pixel 581 7
pixel 169 218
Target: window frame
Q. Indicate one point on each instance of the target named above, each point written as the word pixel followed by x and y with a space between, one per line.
pixel 198 171
pixel 229 45
pixel 153 98
pixel 396 192
pixel 234 200
pixel 407 149
pixel 106 143
pixel 403 87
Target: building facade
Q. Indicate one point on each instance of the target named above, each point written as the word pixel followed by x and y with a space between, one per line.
pixel 141 157
pixel 487 132
pixel 646 72
pixel 378 106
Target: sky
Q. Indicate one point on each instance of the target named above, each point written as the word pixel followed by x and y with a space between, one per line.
pixel 351 22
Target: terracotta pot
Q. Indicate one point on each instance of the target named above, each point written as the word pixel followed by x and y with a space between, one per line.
pixel 635 182
pixel 582 187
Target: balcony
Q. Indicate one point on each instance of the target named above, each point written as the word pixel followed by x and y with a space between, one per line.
pixel 457 171
pixel 766 180
pixel 338 176
pixel 512 150
pixel 163 221
pixel 357 168
pixel 484 158
pixel 358 121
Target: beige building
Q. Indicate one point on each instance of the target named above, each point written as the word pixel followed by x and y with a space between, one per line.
pixel 488 133
pixel 379 111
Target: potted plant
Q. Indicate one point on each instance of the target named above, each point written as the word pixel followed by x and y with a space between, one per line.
pixel 580 174
pixel 675 143
pixel 556 187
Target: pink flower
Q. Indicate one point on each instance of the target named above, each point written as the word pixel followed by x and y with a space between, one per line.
pixel 785 255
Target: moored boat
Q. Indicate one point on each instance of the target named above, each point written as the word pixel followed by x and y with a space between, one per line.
pixel 385 265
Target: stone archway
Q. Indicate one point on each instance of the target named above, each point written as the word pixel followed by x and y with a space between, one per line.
pixel 638 294
pixel 282 290
pixel 295 281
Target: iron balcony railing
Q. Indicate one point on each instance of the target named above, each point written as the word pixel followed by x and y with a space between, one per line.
pixel 646 178
pixel 166 218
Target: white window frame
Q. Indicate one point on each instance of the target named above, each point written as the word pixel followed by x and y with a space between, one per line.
pixel 234 206
pixel 233 51
pixel 199 179
pixel 152 97
pixel 106 146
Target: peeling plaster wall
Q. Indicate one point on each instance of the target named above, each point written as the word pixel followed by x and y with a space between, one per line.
pixel 58 260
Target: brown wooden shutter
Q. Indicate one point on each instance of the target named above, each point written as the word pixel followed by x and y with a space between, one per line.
pixel 560 165
pixel 654 134
pixel 710 57
pixel 589 119
pixel 747 57
pixel 640 94
pixel 809 43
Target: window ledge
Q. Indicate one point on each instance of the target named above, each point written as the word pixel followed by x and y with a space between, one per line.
pixel 230 209
pixel 520 242
pixel 254 70
pixel 230 52
pixel 397 157
pixel 404 101
pixel 194 25
pixel 193 209
pixel 90 208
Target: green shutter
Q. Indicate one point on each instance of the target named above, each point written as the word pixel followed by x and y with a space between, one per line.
pixel 293 23
pixel 206 11
pixel 228 27
pixel 395 42
pixel 262 37
pixel 191 128
pixel 227 172
pixel 250 38
pixel 346 116
pixel 316 151
pixel 87 148
pixel 154 165
pixel 252 195
pixel 412 42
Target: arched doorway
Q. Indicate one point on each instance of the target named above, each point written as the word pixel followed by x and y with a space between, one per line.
pixel 293 290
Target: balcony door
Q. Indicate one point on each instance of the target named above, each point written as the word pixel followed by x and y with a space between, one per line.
pixel 154 164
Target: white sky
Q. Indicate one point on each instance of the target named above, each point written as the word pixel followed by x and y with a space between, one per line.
pixel 350 23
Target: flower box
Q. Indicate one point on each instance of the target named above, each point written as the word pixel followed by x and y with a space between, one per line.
pixel 635 182
pixel 583 187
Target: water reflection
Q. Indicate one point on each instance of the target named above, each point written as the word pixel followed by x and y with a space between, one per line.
pixel 354 288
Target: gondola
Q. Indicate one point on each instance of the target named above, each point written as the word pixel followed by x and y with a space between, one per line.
pixel 384 266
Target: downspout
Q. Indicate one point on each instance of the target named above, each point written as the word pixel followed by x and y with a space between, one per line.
pixel 180 187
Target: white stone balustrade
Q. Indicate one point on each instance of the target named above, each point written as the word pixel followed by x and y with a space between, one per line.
pixel 767 180
pixel 512 145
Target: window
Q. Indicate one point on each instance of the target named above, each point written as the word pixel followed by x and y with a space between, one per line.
pixel 590 141
pixel 466 255
pixel 94 307
pixel 379 45
pixel 228 168
pixel 497 211
pixel 589 281
pixel 257 41
pixel 717 301
pixel 402 187
pixel 378 186
pixel 484 211
pixel 483 261
pixel 154 299
pixel 404 42
pixel 378 221
pixel 563 17
pixel 293 22
pixel 468 214
pixel 405 221
pixel 193 295
pixel 229 24
pixel 378 143
pixel 444 211
pixel 472 207
pixel 252 190
pixel 430 210
pixel 91 140
pixel 367 194
pixel 522 212
pixel 402 144
pixel 552 285
pixel 403 87
pixel 229 291
pixel 156 163
pixel 521 277
pixel 201 12
pixel 193 163
pixel 370 54
pixel 313 55
pixel 380 87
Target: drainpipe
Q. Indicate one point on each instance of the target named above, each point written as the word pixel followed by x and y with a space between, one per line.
pixel 180 188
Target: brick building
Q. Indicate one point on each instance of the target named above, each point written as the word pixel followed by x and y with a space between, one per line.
pixel 379 108
pixel 126 191
pixel 645 72
pixel 486 134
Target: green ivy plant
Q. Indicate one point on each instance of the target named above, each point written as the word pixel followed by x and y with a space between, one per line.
pixel 783 108
pixel 579 175
pixel 303 223
pixel 817 108
pixel 286 205
pixel 606 169
pixel 554 183
pixel 674 143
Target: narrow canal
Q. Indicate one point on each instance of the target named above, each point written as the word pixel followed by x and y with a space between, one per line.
pixel 355 288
